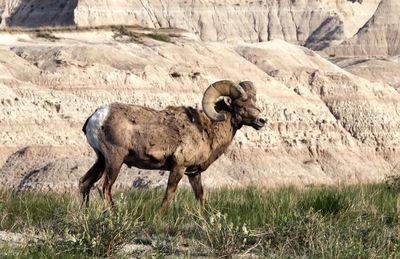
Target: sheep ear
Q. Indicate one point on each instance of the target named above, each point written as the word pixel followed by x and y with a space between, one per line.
pixel 227 101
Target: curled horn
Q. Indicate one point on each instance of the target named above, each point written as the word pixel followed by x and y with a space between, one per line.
pixel 248 87
pixel 216 90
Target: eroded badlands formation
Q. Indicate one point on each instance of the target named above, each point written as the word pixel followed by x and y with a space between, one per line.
pixel 316 23
pixel 373 52
pixel 325 124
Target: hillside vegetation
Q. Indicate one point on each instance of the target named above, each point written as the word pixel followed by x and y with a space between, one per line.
pixel 344 222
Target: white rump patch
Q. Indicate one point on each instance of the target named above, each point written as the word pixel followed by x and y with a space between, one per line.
pixel 94 125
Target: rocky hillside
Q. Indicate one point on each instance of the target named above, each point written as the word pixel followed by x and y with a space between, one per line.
pixel 325 126
pixel 376 69
pixel 329 122
pixel 314 23
pixel 380 36
pixel 374 51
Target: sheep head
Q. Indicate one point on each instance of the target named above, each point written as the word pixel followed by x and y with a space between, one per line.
pixel 240 101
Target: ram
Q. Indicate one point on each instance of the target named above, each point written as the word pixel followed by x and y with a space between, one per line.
pixel 182 140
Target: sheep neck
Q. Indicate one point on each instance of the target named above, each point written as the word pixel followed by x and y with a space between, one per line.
pixel 222 135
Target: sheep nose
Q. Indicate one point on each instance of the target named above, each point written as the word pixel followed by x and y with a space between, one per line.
pixel 263 121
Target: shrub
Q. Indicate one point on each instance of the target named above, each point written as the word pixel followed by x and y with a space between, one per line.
pixel 393 182
pixel 159 37
pixel 96 233
pixel 46 35
pixel 223 237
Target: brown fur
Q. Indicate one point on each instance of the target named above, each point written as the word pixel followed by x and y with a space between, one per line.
pixel 182 140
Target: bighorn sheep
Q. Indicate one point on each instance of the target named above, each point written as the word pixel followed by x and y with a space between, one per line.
pixel 182 140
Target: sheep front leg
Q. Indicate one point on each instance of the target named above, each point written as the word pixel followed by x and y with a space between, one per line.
pixel 195 182
pixel 175 176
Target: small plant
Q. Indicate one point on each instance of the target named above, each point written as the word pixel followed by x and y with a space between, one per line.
pixel 46 35
pixel 176 74
pixel 223 237
pixel 97 233
pixel 393 182
pixel 124 31
pixel 159 37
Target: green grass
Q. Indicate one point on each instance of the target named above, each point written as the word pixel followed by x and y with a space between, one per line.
pixel 159 37
pixel 340 222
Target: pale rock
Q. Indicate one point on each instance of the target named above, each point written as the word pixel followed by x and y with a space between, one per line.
pixel 294 21
pixel 384 69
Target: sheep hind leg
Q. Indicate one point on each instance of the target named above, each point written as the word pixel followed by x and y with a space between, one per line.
pixel 195 182
pixel 99 187
pixel 174 178
pixel 111 172
pixel 93 175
